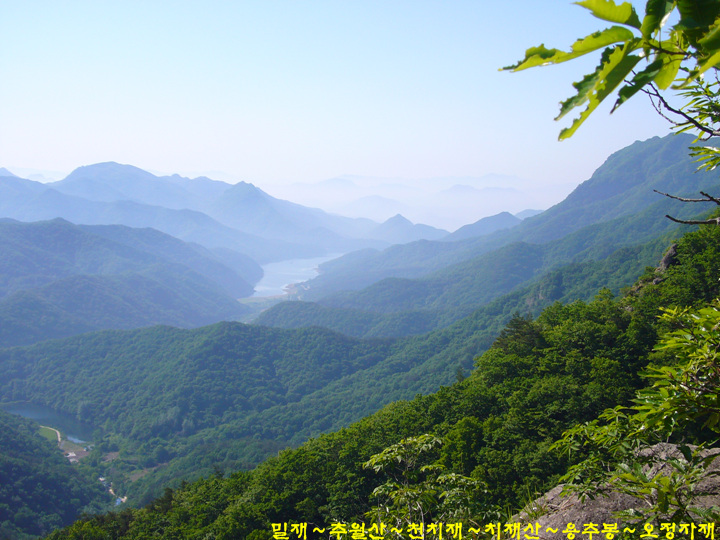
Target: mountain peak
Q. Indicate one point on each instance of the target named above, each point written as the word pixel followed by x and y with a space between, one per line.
pixel 486 225
pixel 244 190
pixel 5 172
pixel 110 169
pixel 398 219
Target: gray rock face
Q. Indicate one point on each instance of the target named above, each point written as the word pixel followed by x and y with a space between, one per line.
pixel 553 511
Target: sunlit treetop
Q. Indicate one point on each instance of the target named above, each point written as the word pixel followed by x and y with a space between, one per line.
pixel 651 56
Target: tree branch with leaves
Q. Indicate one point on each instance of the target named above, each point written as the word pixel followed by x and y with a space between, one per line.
pixel 650 57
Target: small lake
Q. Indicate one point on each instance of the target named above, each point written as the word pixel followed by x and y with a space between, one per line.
pixel 279 275
pixel 73 430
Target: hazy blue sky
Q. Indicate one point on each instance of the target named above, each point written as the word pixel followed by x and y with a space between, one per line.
pixel 269 91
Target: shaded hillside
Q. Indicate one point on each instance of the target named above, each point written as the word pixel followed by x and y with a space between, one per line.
pixel 495 426
pixel 59 279
pixel 199 259
pixel 573 281
pixel 40 490
pixel 622 186
pixel 415 306
pixel 485 226
pixel 83 303
pixel 38 253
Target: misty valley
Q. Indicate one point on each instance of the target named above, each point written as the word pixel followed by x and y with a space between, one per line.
pixel 186 358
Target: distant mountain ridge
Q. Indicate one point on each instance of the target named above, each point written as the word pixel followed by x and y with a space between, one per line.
pixel 440 282
pixel 622 186
pixel 400 230
pixel 484 226
pixel 240 217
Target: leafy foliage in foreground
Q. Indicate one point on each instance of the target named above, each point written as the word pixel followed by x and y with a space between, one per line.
pixel 678 54
pixel 497 426
pixel 627 447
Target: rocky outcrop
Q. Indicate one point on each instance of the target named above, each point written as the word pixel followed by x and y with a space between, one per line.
pixel 553 511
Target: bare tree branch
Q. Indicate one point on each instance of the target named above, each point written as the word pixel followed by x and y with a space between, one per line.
pixel 708 198
pixel 653 92
pixel 713 221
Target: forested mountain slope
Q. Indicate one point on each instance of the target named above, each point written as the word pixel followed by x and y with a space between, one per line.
pixel 191 399
pixel 163 393
pixel 41 252
pixel 59 279
pixel 39 488
pixel 622 186
pixel 572 281
pixel 453 292
pixel 496 426
pixel 485 226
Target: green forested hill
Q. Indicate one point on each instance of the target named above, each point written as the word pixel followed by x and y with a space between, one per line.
pixel 401 306
pixel 39 489
pixel 83 303
pixel 169 396
pixel 622 186
pixel 163 381
pixel 59 279
pixel 177 402
pixel 39 253
pixel 539 378
pixel 569 282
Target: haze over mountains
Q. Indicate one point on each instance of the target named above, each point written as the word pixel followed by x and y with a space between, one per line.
pixel 217 215
pixel 208 239
pixel 153 250
pixel 441 282
pixel 445 202
pixel 173 403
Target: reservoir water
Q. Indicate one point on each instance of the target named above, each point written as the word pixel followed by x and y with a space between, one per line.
pixel 73 430
pixel 279 275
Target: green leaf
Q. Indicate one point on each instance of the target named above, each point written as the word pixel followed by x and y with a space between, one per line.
pixel 713 61
pixel 698 13
pixel 686 452
pixel 541 56
pixel 708 157
pixel 612 70
pixel 646 76
pixel 711 40
pixel 607 10
pixel 656 13
pixel 669 71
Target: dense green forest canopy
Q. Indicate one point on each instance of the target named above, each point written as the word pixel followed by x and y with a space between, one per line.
pixel 39 489
pixel 175 416
pixel 496 426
